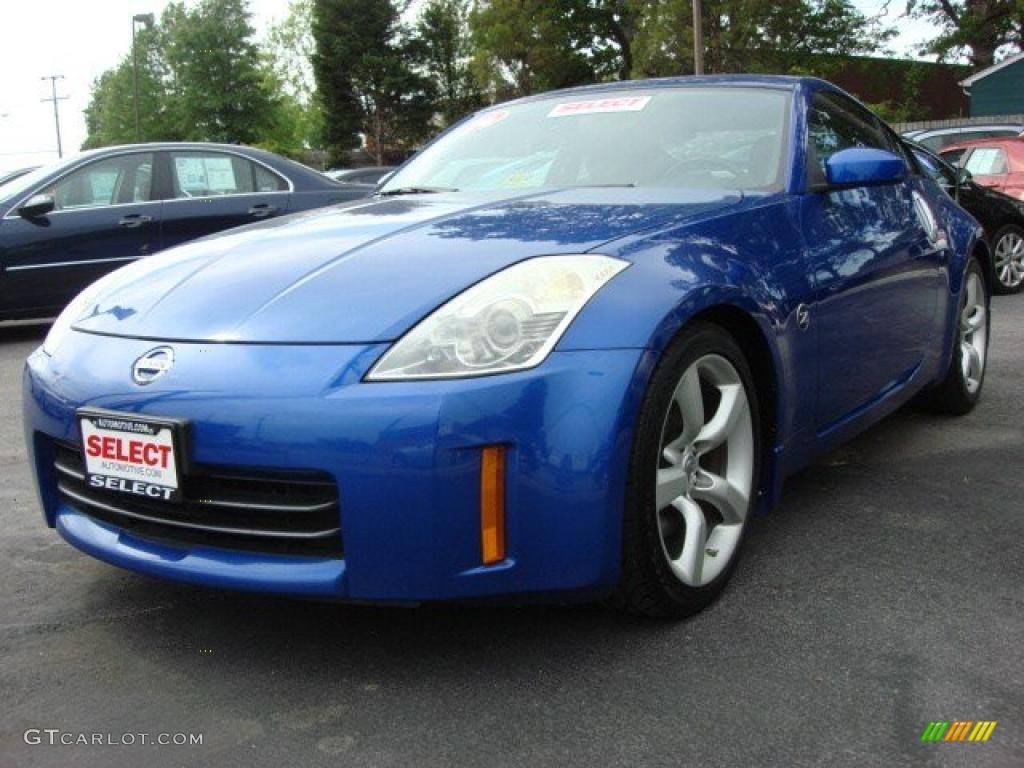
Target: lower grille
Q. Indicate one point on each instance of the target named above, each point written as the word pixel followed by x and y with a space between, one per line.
pixel 274 512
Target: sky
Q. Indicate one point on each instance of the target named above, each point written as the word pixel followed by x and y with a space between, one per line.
pixel 79 40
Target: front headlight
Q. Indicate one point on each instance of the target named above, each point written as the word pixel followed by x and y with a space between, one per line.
pixel 507 322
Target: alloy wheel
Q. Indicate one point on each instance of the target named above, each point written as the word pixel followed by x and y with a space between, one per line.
pixel 1009 259
pixel 973 332
pixel 705 470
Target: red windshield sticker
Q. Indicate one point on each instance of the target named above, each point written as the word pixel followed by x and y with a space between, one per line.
pixel 486 120
pixel 596 106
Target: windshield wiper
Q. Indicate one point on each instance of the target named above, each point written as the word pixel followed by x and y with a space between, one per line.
pixel 415 191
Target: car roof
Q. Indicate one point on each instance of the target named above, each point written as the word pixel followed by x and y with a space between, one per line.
pixel 179 145
pixel 971 128
pixel 787 82
pixel 301 177
pixel 1004 142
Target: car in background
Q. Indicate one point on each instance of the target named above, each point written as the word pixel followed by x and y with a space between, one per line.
pixel 15 174
pixel 998 164
pixel 63 226
pixel 370 175
pixel 936 139
pixel 1001 216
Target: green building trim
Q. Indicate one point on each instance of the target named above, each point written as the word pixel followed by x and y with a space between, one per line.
pixel 998 90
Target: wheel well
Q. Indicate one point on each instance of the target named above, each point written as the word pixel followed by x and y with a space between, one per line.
pixel 746 332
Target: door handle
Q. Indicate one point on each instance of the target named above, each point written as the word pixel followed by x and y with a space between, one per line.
pixel 262 211
pixel 134 220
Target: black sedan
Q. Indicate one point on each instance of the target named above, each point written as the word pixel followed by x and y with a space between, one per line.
pixel 65 225
pixel 1001 215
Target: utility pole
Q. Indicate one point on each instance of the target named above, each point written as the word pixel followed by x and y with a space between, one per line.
pixel 698 39
pixel 56 114
pixel 147 20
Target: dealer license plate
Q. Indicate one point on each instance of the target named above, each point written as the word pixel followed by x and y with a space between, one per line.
pixel 129 454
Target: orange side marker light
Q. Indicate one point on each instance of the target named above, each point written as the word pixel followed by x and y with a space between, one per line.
pixel 492 504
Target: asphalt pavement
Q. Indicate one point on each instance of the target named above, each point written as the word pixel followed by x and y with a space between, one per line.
pixel 886 591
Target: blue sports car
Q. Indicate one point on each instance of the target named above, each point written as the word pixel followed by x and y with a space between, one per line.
pixel 564 353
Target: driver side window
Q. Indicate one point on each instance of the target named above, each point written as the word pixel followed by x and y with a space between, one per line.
pixel 111 181
pixel 834 125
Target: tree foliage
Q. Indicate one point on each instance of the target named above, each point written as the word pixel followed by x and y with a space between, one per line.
pixel 778 36
pixel 528 45
pixel 386 74
pixel 110 114
pixel 290 47
pixel 980 27
pixel 201 78
pixel 365 64
pixel 442 36
pixel 524 46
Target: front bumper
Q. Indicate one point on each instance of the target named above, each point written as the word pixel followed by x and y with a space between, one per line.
pixel 405 456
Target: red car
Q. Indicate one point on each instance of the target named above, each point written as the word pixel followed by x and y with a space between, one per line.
pixel 995 163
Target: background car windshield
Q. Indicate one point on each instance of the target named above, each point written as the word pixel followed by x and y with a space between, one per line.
pixel 987 161
pixel 720 138
pixel 22 184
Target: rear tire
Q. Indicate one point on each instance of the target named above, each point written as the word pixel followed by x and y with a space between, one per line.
pixel 1008 259
pixel 693 477
pixel 960 390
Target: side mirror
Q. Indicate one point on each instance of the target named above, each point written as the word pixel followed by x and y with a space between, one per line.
pixel 963 175
pixel 37 205
pixel 863 167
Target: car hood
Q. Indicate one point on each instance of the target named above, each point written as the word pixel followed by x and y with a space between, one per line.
pixel 365 271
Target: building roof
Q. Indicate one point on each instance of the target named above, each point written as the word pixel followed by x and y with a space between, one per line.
pixel 1009 61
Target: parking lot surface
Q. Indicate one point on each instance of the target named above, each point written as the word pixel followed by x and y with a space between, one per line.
pixel 886 591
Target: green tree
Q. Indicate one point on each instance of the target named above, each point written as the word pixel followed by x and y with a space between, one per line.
pixel 216 79
pixel 979 27
pixel 366 72
pixel 201 78
pixel 290 46
pixel 523 46
pixel 110 114
pixel 779 36
pixel 529 45
pixel 613 26
pixel 441 33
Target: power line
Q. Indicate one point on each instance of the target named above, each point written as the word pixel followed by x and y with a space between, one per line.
pixel 56 114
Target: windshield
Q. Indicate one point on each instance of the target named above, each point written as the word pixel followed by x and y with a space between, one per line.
pixel 16 188
pixel 720 138
pixel 22 184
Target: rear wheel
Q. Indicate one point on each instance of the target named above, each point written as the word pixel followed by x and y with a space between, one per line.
pixel 695 460
pixel 1008 258
pixel 959 392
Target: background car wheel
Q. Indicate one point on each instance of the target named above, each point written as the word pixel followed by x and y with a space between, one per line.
pixel 1008 258
pixel 693 477
pixel 959 392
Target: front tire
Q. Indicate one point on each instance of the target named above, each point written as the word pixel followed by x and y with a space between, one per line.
pixel 1008 259
pixel 693 476
pixel 960 390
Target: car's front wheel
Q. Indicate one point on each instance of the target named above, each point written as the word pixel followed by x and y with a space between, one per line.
pixel 960 390
pixel 1008 257
pixel 693 476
